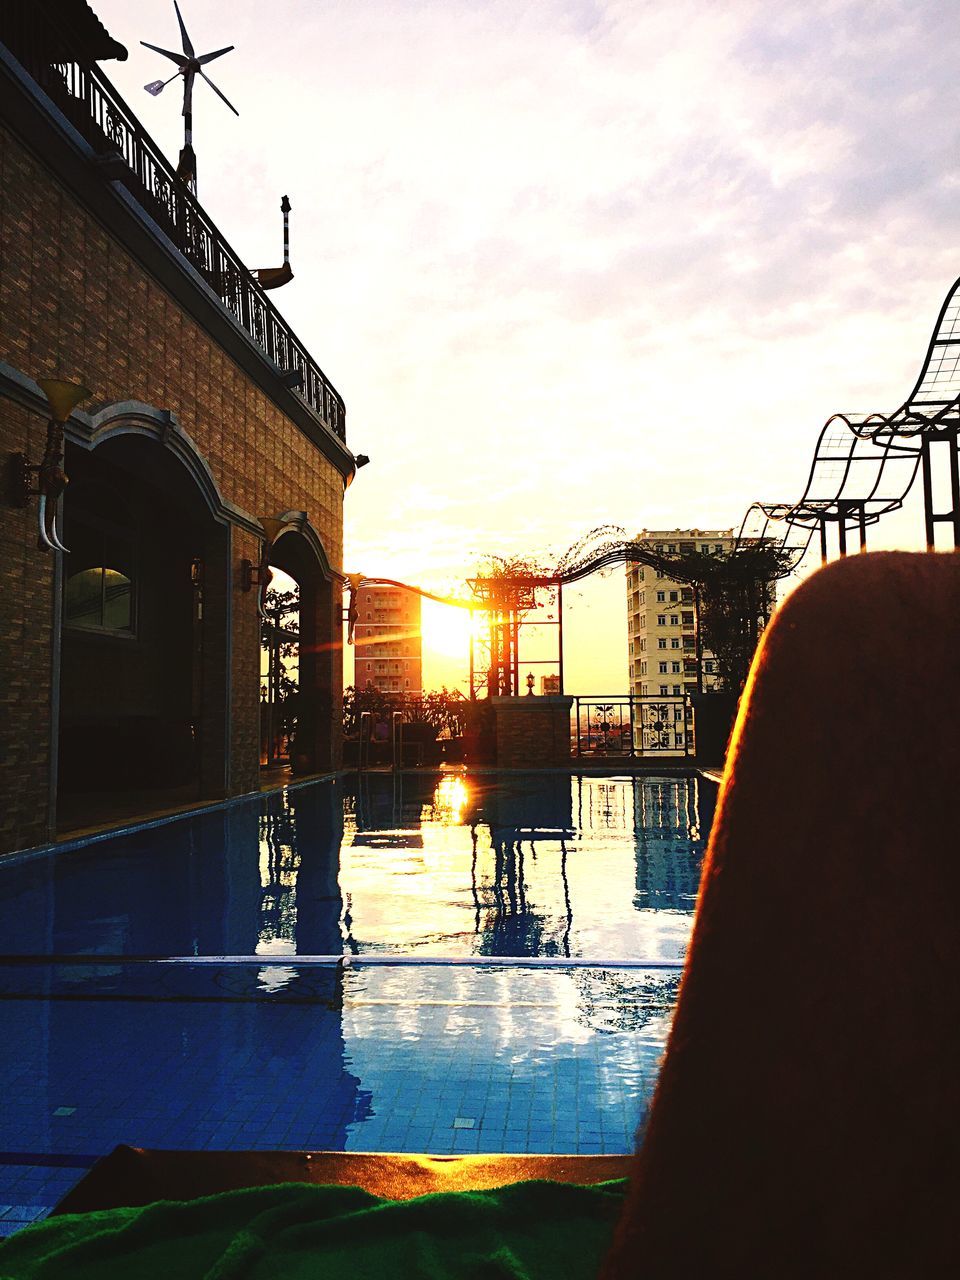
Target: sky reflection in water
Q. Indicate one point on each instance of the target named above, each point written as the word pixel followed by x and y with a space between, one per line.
pixel 287 1054
pixel 520 865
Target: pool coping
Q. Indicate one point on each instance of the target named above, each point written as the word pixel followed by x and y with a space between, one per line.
pixel 94 835
pixel 369 959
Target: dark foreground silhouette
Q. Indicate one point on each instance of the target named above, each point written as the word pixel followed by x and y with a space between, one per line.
pixel 807 1118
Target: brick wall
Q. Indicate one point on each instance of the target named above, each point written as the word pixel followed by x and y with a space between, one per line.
pixel 74 303
pixel 532 732
pixel 26 654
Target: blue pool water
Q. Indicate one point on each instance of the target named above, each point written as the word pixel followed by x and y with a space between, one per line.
pixel 124 1022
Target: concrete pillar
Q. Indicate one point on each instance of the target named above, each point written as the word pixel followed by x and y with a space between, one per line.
pixel 532 732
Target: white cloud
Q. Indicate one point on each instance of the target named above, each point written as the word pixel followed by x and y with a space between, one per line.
pixel 579 262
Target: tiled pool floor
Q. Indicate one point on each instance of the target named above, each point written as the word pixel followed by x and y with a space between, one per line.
pixel 433 1030
pixel 441 1060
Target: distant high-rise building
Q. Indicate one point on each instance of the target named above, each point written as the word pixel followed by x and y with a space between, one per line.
pixel 662 633
pixel 387 641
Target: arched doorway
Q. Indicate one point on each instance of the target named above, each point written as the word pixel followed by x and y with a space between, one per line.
pixel 142 707
pixel 279 670
pixel 302 640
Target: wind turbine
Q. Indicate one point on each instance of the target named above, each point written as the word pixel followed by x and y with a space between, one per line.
pixel 189 66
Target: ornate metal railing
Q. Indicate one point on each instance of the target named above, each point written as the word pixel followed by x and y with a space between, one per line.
pixel 95 109
pixel 619 725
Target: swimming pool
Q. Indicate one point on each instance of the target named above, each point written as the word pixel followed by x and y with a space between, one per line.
pixel 443 964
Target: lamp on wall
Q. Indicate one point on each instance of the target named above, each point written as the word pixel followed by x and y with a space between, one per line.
pixel 62 398
pixel 353 581
pixel 261 573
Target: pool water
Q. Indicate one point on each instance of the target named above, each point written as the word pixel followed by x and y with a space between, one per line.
pixel 539 865
pixel 443 964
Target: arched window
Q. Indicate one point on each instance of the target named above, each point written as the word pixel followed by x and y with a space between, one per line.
pixel 99 592
pixel 100 598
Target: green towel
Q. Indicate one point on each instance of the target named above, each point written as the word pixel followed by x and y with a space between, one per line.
pixel 528 1231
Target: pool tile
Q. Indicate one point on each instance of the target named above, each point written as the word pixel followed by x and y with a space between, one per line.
pixel 367 1059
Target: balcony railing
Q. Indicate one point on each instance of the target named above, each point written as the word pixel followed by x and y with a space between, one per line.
pixel 621 725
pixel 95 109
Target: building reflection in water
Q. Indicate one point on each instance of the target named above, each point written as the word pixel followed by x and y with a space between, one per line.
pixel 540 865
pixel 403 858
pixel 300 907
pixel 555 866
pixel 532 811
pixel 672 819
pixel 521 865
pixel 388 808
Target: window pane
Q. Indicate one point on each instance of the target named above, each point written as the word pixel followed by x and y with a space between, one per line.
pixel 82 599
pixel 116 601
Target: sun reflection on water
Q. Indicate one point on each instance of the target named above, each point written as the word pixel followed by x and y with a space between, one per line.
pixel 450 800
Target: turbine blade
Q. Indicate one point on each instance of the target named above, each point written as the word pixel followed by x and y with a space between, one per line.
pixel 178 58
pixel 209 57
pixel 219 94
pixel 157 86
pixel 187 46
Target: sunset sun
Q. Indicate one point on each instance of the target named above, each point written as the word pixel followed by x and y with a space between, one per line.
pixel 446 630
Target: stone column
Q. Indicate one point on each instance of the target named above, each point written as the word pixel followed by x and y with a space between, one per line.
pixel 319 730
pixel 532 732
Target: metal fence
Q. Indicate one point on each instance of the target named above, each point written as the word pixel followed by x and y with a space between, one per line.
pixel 618 725
pixel 128 154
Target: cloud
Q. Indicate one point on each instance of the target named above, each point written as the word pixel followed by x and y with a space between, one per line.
pixel 578 262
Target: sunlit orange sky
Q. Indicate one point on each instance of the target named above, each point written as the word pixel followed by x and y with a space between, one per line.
pixel 579 263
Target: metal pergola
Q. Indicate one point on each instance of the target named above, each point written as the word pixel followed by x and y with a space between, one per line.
pixel 865 465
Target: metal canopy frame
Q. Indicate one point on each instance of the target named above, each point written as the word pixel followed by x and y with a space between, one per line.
pixel 854 479
pixel 864 465
pixel 508 599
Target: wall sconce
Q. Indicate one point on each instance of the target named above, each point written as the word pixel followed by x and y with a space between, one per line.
pixel 251 574
pixel 62 397
pixel 261 573
pixel 353 581
pixel 359 460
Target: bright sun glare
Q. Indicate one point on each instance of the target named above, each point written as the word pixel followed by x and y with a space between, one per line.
pixel 451 799
pixel 446 630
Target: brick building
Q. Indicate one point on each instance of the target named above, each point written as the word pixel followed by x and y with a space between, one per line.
pixel 388 640
pixel 210 441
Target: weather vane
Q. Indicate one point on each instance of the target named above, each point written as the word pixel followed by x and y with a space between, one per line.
pixel 189 66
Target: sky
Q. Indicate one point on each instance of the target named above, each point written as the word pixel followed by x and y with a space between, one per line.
pixel 573 264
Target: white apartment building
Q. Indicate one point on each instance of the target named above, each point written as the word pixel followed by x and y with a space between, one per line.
pixel 662 638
